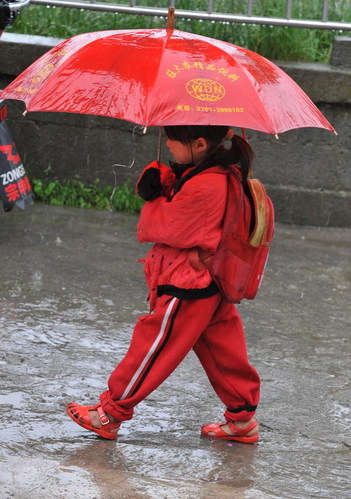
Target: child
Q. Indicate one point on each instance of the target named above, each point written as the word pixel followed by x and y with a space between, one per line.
pixel 182 215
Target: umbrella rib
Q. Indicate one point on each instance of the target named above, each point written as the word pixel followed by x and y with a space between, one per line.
pixel 263 112
pixel 156 74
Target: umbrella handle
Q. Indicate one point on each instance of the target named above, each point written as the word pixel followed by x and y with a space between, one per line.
pixel 159 145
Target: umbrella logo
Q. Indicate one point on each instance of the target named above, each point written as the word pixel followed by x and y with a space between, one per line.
pixel 205 89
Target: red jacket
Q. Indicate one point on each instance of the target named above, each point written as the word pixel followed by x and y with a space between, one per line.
pixel 191 219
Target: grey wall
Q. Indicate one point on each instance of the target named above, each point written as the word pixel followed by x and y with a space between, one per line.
pixel 307 172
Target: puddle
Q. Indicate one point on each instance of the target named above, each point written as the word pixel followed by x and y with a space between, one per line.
pixel 66 317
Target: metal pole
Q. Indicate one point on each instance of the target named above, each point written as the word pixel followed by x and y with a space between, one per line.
pixel 325 14
pixel 289 5
pixel 14 6
pixel 188 14
pixel 159 144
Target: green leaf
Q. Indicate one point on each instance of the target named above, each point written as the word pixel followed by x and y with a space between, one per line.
pixel 73 192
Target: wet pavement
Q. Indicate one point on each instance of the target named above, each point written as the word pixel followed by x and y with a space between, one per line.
pixel 71 290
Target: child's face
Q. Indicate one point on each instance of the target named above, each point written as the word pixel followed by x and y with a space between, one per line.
pixel 181 152
pixel 185 153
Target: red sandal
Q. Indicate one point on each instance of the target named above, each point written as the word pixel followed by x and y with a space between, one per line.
pixel 244 435
pixel 80 415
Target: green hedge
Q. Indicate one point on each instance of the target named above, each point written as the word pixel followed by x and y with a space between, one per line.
pixel 72 192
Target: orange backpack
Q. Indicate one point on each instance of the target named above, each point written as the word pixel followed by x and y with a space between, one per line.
pixel 238 265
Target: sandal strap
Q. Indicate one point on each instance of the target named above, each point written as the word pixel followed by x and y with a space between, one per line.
pixel 239 430
pixel 102 415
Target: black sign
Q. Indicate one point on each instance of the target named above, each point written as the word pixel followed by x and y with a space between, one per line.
pixel 15 189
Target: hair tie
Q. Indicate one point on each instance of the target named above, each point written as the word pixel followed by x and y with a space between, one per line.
pixel 227 141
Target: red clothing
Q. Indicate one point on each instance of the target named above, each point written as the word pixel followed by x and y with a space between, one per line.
pixel 191 220
pixel 161 340
pixel 204 320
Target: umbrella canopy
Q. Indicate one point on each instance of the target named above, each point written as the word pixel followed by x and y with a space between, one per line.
pixel 161 77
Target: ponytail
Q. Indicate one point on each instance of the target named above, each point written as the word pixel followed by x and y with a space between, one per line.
pixel 240 153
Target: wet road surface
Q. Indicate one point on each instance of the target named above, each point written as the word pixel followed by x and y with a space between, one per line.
pixel 71 290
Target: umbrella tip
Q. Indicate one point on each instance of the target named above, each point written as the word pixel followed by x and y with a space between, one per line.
pixel 170 18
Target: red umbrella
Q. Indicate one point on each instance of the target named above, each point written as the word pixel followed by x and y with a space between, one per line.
pixel 161 77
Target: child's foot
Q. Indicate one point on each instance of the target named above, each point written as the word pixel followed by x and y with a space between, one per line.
pixel 95 419
pixel 239 431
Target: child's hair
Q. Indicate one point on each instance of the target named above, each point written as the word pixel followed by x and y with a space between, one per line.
pixel 240 152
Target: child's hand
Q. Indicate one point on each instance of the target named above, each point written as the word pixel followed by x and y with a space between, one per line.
pixel 155 180
pixel 149 184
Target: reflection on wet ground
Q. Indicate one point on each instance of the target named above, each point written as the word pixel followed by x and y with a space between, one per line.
pixel 71 291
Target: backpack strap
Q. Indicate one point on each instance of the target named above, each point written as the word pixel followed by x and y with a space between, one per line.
pixel 233 214
pixel 233 211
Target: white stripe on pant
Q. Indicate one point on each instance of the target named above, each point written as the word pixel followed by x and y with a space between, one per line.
pixel 152 349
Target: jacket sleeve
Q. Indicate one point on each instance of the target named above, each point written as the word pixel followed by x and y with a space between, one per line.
pixel 192 218
pixel 155 180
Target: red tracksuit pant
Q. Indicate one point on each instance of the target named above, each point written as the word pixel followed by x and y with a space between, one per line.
pixel 161 340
